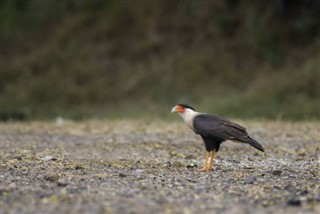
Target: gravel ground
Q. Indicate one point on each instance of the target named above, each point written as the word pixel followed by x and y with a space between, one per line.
pixel 136 166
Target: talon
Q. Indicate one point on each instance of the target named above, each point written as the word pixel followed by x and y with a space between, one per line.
pixel 203 170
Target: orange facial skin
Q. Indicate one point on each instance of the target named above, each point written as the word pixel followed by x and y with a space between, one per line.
pixel 179 109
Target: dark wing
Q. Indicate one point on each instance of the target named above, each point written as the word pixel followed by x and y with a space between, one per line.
pixel 219 128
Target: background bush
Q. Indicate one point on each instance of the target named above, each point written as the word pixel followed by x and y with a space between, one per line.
pixel 81 59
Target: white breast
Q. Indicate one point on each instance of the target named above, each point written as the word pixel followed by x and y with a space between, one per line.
pixel 188 116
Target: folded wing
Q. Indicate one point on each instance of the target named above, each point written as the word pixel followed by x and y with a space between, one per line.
pixel 220 128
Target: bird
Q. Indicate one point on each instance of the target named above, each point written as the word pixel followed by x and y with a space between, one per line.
pixel 214 130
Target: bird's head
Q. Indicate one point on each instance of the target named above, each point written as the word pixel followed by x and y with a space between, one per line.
pixel 182 108
pixel 186 112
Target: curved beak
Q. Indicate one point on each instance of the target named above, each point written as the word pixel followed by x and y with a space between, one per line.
pixel 173 109
pixel 178 109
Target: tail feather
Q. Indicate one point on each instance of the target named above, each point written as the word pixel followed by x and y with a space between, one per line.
pixel 254 143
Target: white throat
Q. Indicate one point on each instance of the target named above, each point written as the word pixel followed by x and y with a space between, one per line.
pixel 188 116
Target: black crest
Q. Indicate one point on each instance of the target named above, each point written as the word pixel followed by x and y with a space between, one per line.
pixel 186 106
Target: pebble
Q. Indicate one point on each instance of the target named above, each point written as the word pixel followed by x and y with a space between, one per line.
pixel 277 172
pixel 250 179
pixel 8 188
pixel 2 165
pixel 304 192
pixel 294 202
pixel 51 177
pixel 62 182
pixel 17 157
pixel 192 165
pixel 290 188
pixel 77 167
pixel 248 167
pixel 47 158
pixel 122 175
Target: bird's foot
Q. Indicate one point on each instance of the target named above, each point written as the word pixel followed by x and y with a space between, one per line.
pixel 203 170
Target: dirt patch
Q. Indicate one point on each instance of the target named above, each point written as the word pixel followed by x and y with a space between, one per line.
pixel 150 167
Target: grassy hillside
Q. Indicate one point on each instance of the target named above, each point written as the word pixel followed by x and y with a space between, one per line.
pixel 81 59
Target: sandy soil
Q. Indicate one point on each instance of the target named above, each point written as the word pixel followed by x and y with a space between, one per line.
pixel 150 167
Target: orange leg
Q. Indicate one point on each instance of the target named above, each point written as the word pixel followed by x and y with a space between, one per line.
pixel 205 168
pixel 211 159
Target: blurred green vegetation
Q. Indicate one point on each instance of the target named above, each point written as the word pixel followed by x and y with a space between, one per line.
pixel 82 59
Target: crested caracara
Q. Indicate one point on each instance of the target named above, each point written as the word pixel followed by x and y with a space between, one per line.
pixel 213 130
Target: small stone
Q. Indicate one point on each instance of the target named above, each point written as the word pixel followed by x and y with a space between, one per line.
pixel 294 202
pixel 192 165
pixel 250 179
pixel 122 175
pixel 25 172
pixel 248 167
pixel 235 161
pixel 13 161
pixel 17 157
pixel 191 180
pixel 176 164
pixel 199 189
pixel 47 158
pixel 77 167
pixel 304 192
pixel 290 188
pixel 7 188
pixel 3 165
pixel 162 201
pixel 12 186
pixel 190 156
pixel 51 177
pixel 173 153
pixel 277 172
pixel 62 182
